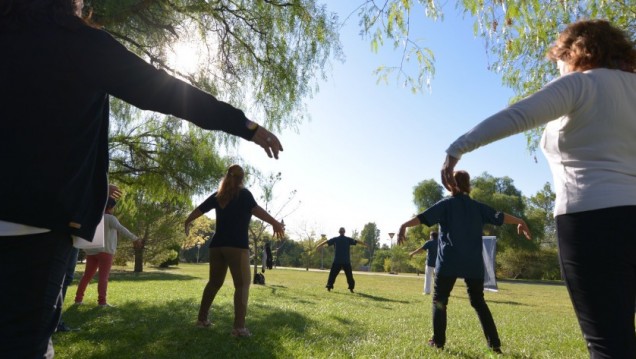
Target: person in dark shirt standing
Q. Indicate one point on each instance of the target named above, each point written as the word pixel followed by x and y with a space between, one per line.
pixel 234 206
pixel 270 260
pixel 461 220
pixel 57 73
pixel 341 259
pixel 430 247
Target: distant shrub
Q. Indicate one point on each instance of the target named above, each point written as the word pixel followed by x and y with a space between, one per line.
pixel 524 264
pixel 387 265
pixel 166 258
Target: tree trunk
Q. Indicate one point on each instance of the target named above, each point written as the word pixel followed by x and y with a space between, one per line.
pixel 139 253
pixel 255 260
pixel 139 260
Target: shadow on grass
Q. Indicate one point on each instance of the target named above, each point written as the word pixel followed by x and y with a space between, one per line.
pixel 275 288
pixel 486 354
pixel 121 276
pixel 139 330
pixel 557 283
pixel 341 320
pixel 489 301
pixel 381 299
pixel 507 302
pixel 460 354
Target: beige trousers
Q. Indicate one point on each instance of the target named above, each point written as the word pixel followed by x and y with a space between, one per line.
pixel 237 260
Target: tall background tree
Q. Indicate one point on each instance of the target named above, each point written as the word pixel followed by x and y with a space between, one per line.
pixel 264 51
pixel 309 240
pixel 370 235
pixel 501 194
pixel 540 210
pixel 258 228
pixel 359 253
pixel 159 167
pixel 262 56
pixel 425 194
pixel 194 247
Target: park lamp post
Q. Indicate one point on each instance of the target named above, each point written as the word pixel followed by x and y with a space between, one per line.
pixel 391 239
pixel 198 248
pixel 322 251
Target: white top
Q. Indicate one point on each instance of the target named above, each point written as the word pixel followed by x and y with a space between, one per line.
pixel 18 229
pixel 589 140
pixel 111 228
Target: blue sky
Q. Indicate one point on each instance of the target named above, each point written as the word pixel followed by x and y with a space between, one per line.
pixel 367 144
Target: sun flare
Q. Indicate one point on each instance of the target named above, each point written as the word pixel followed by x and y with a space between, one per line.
pixel 183 57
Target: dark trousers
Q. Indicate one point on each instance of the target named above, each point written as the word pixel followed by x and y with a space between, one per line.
pixel 32 270
pixel 335 270
pixel 70 270
pixel 597 252
pixel 475 287
pixel 70 274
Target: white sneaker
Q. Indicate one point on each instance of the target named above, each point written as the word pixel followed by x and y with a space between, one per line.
pixel 106 306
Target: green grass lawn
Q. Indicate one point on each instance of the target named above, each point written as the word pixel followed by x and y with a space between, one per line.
pixel 293 316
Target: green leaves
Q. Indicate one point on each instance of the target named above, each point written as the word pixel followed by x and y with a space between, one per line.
pixel 516 35
pixel 526 30
pixel 426 194
pixel 391 21
pixel 259 55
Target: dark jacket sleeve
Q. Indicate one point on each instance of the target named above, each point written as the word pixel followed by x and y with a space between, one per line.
pixel 113 69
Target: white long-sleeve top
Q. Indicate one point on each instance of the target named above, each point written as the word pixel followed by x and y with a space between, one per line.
pixel 589 139
pixel 112 227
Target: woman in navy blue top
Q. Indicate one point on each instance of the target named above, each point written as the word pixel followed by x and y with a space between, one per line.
pixel 461 220
pixel 234 206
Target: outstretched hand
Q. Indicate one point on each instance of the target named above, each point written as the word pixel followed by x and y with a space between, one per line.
pixel 268 141
pixel 401 237
pixel 114 192
pixel 279 230
pixel 522 228
pixel 448 168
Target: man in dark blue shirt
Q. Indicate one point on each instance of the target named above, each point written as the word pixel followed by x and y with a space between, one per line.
pixel 430 247
pixel 341 258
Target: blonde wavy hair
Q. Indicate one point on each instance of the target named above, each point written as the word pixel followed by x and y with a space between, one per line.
pixel 231 185
pixel 590 44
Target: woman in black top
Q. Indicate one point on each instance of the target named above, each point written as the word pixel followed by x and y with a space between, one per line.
pixel 56 75
pixel 234 206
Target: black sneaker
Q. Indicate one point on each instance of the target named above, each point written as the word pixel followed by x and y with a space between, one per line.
pixel 329 289
pixel 351 290
pixel 61 327
pixel 497 350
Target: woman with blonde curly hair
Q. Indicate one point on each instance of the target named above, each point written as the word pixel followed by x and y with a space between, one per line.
pixel 589 115
pixel 234 206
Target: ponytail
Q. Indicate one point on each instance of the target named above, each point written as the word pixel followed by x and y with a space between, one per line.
pixel 231 185
pixel 462 178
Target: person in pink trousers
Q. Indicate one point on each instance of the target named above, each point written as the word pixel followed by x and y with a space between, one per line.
pixel 102 259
